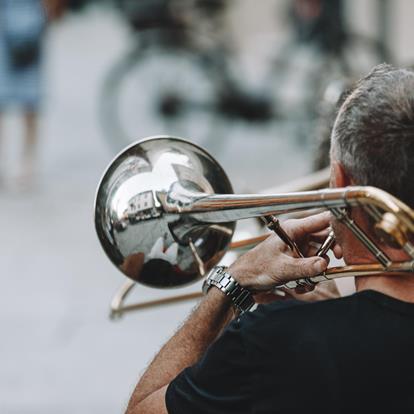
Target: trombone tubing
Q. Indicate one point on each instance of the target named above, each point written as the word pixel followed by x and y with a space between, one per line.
pixel 370 269
pixel 220 208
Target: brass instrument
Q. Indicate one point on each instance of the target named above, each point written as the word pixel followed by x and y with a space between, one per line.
pixel 165 214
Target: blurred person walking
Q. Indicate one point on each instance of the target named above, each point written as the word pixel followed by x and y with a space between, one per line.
pixel 22 28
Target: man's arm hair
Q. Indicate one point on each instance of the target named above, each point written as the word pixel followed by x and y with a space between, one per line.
pixel 184 349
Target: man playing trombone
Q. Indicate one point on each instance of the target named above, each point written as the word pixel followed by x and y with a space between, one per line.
pixel 350 354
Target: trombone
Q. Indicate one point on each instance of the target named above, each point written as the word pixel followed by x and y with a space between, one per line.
pixel 165 214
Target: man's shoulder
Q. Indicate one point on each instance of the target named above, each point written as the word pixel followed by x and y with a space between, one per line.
pixel 292 306
pixel 289 313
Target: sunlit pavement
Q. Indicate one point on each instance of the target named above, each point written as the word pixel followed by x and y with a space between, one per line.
pixel 59 352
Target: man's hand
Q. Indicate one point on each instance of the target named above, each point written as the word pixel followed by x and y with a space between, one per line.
pixel 272 263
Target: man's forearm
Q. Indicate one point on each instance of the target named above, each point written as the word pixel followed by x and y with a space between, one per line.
pixel 185 348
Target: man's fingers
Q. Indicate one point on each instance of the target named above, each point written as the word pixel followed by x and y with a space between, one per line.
pixel 320 236
pixel 312 224
pixel 312 253
pixel 313 248
pixel 307 266
pixel 301 290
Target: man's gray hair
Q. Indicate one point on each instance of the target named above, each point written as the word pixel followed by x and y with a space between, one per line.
pixel 373 135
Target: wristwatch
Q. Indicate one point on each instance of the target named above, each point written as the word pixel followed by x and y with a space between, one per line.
pixel 242 299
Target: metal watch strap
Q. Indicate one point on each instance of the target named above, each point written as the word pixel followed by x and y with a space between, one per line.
pixel 242 299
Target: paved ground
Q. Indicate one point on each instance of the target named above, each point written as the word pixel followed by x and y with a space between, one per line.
pixel 59 353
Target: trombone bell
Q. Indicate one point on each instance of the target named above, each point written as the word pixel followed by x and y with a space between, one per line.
pixel 144 242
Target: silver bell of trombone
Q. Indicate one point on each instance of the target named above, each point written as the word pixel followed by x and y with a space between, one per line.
pixel 149 245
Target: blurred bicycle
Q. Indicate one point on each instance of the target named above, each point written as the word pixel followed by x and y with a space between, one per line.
pixel 180 76
pixel 177 78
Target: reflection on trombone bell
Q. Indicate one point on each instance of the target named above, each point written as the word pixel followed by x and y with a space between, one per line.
pixel 138 265
pixel 165 214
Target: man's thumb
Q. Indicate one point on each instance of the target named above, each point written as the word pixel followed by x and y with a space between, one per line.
pixel 311 266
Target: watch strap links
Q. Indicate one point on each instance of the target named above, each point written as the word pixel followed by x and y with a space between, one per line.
pixel 241 298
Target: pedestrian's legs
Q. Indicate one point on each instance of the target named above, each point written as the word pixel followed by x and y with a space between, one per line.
pixel 30 146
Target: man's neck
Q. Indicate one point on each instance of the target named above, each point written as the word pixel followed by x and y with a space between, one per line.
pixel 399 286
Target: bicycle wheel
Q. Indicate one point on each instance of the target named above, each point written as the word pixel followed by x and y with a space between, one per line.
pixel 156 90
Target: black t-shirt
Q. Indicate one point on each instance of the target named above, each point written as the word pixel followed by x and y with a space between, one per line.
pixel 347 355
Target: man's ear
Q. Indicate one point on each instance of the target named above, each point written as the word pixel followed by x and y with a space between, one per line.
pixel 339 177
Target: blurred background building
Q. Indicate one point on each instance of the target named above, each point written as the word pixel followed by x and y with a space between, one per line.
pixel 254 82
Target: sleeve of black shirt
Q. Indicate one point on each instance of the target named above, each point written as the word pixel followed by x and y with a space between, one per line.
pixel 218 383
